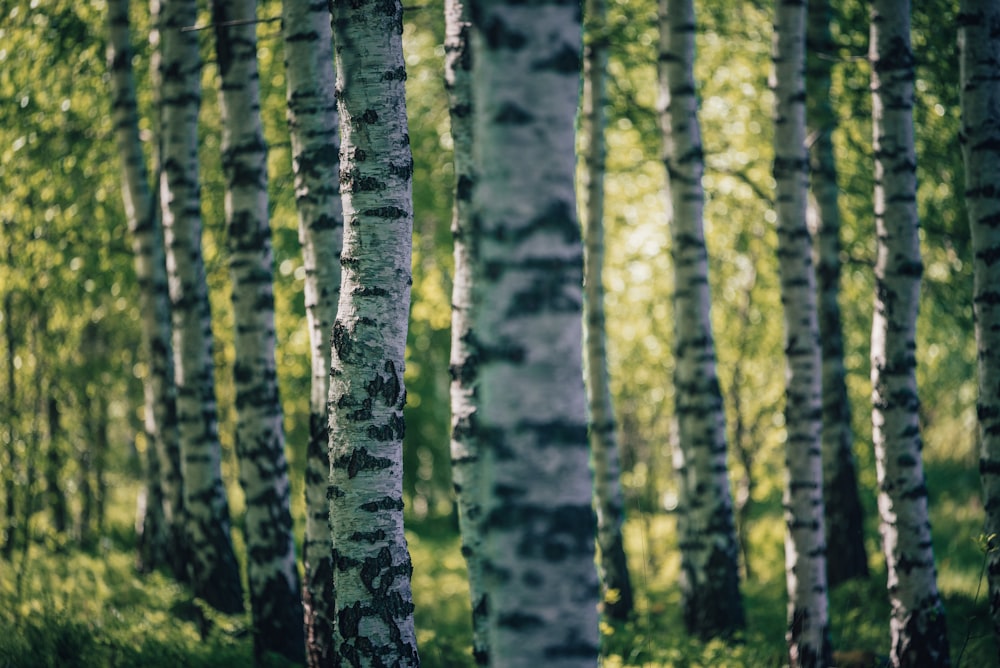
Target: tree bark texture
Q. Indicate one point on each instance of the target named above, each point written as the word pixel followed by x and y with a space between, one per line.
pixel 141 212
pixel 312 122
pixel 843 513
pixel 531 423
pixel 372 567
pixel 212 569
pixel 808 632
pixel 917 624
pixel 275 595
pixel 608 501
pixel 979 27
pixel 465 447
pixel 707 534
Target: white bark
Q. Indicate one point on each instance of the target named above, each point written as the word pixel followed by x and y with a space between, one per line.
pixel 312 121
pixel 159 409
pixel 465 445
pixel 979 25
pixel 538 524
pixel 709 551
pixel 374 624
pixel 608 502
pixel 844 516
pixel 917 624
pixel 808 632
pixel 275 599
pixel 212 567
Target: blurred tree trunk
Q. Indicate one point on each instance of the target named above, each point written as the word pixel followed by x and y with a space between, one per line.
pixel 465 446
pixel 608 501
pixel 56 500
pixel 979 27
pixel 162 534
pixel 538 522
pixel 707 535
pixel 211 564
pixel 275 594
pixel 919 636
pixel 312 122
pixel 808 632
pixel 11 461
pixel 372 567
pixel 843 513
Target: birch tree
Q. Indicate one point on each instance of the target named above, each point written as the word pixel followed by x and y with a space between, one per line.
pixel 141 211
pixel 707 534
pixel 465 445
pixel 371 575
pixel 843 514
pixel 538 523
pixel 608 501
pixel 979 26
pixel 275 597
pixel 211 564
pixel 808 632
pixel 312 122
pixel 919 636
pixel 918 625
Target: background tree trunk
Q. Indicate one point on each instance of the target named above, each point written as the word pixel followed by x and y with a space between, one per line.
pixel 211 563
pixel 707 535
pixel 979 27
pixel 538 521
pixel 371 561
pixel 843 513
pixel 808 632
pixel 160 408
pixel 465 445
pixel 312 122
pixel 275 594
pixel 608 501
pixel 919 635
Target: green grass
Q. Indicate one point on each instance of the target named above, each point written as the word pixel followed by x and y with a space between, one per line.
pixel 65 607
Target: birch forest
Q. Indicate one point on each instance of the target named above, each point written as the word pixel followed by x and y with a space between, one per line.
pixel 500 333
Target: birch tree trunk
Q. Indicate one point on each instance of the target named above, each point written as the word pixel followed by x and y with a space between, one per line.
pixel 616 585
pixel 919 636
pixel 843 514
pixel 372 567
pixel 275 596
pixel 465 445
pixel 160 407
pixel 808 632
pixel 979 25
pixel 536 490
pixel 211 565
pixel 312 121
pixel 707 534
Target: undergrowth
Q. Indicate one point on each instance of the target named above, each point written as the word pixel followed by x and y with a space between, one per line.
pixel 64 607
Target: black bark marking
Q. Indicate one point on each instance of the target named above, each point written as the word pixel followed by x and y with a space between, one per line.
pixel 360 460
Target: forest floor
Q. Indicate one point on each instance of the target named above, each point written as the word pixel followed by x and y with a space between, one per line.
pixel 60 606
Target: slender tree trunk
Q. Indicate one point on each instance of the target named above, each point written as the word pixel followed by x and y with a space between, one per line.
pixel 275 595
pixel 312 121
pixel 160 408
pixel 465 445
pixel 372 565
pixel 11 461
pixel 843 514
pixel 709 550
pixel 53 467
pixel 608 500
pixel 979 26
pixel 211 563
pixel 919 636
pixel 808 632
pixel 535 485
